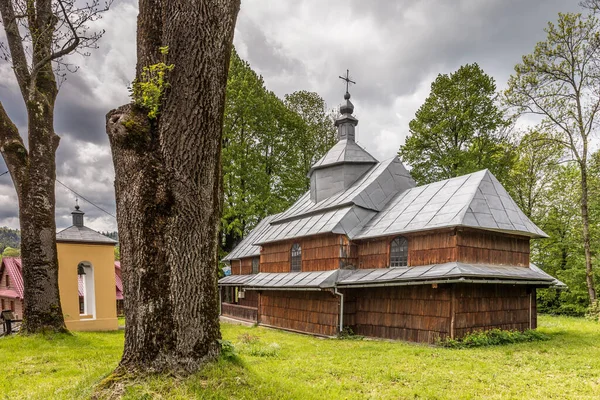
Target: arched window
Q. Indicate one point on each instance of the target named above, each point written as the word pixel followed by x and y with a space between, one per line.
pixel 87 298
pixel 296 258
pixel 399 252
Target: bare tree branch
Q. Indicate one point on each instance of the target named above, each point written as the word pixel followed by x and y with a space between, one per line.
pixel 15 44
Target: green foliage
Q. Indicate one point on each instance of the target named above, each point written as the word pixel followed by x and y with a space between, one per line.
pixel 147 91
pixel 593 312
pixel 227 349
pixel 494 337
pixel 117 253
pixel 252 345
pixel 559 81
pixel 314 368
pixel 561 255
pixel 348 334
pixel 9 238
pixel 268 148
pixel 11 252
pixel 458 130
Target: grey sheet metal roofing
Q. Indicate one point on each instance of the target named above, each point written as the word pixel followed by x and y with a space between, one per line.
pixel 476 200
pixel 451 271
pixel 247 248
pixel 440 273
pixel 338 220
pixel 344 151
pixel 293 280
pixel 372 191
pixel 235 280
pixel 83 234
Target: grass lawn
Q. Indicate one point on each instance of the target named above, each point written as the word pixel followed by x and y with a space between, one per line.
pixel 281 365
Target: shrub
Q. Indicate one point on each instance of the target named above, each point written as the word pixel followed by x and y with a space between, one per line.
pixel 348 334
pixel 593 311
pixel 493 337
pixel 227 349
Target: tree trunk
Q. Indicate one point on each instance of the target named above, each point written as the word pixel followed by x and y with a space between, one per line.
pixel 169 189
pixel 589 276
pixel 33 173
pixel 42 308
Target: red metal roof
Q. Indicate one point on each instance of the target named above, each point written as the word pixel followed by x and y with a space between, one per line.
pixel 118 280
pixel 12 266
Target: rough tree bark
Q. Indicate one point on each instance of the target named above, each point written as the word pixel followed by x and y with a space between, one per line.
pixel 168 188
pixel 33 171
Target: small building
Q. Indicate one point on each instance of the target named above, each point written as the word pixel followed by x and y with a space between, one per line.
pixel 89 279
pixel 365 248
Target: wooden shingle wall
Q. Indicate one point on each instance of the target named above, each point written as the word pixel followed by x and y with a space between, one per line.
pixel 434 247
pixel 319 253
pixel 437 247
pixel 303 311
pixel 494 248
pixel 250 299
pixel 484 307
pixel 413 313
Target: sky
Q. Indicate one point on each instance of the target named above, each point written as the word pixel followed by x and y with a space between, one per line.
pixel 393 49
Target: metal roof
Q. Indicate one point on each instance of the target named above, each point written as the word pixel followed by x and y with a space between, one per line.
pixel 452 271
pixel 344 151
pixel 556 282
pixel 436 273
pixel 476 200
pixel 235 280
pixel 247 247
pixel 291 280
pixel 344 220
pixel 83 234
pixel 11 266
pixel 372 191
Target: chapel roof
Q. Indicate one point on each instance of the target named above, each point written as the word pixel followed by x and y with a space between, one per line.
pixel 83 234
pixel 79 233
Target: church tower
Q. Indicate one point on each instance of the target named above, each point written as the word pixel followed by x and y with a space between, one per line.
pixel 345 162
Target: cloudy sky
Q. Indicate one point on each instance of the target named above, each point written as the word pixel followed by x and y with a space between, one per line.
pixel 393 49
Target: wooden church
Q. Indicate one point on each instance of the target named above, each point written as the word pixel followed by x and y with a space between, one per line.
pixel 365 248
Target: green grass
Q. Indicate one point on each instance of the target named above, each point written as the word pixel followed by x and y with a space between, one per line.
pixel 272 364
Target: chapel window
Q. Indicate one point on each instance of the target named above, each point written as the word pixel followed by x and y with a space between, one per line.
pixel 255 265
pixel 296 258
pixel 399 252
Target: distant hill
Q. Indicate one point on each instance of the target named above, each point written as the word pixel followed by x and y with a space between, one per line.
pixel 9 238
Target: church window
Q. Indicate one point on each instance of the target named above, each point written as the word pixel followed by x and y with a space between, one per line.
pixel 296 258
pixel 255 264
pixel 399 252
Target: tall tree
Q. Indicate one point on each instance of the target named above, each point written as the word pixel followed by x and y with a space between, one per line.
pixel 535 169
pixel 318 134
pixel 167 154
pixel 39 35
pixel 268 148
pixel 458 130
pixel 559 81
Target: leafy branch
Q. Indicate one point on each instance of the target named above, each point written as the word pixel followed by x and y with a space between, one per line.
pixel 147 91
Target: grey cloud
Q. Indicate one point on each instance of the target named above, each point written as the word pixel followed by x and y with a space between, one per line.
pixel 394 49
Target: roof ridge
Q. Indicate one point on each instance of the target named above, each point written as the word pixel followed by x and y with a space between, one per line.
pixel 462 213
